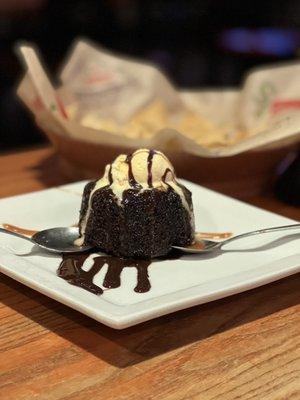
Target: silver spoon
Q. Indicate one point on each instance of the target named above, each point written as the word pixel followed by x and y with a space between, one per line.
pixel 204 246
pixel 56 240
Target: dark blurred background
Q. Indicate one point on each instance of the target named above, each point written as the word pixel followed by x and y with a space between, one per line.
pixel 197 42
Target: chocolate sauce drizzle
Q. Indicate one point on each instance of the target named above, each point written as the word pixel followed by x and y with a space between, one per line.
pixel 164 177
pixel 182 187
pixel 149 165
pixel 71 270
pixel 132 182
pixel 110 177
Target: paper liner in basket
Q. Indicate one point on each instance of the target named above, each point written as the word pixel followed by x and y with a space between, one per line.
pixel 112 100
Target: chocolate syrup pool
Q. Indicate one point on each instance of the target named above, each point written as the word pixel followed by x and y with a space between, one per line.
pixel 71 269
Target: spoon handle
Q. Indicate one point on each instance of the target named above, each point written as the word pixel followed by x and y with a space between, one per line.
pixel 260 231
pixel 3 230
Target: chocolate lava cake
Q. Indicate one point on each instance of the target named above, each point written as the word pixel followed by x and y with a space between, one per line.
pixel 137 209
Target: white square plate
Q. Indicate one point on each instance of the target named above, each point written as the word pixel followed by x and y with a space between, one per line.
pixel 176 284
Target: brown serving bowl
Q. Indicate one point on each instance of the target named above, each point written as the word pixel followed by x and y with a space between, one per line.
pixel 242 176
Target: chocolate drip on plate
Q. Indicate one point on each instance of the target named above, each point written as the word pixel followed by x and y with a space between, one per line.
pixel 213 235
pixel 71 270
pixel 132 182
pixel 149 165
pixel 143 283
pixel 17 229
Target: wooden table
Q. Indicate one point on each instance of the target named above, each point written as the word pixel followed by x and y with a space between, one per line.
pixel 240 348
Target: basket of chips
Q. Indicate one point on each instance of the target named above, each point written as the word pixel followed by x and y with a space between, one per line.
pixel 107 104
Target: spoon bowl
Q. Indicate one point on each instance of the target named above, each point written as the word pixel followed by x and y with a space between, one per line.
pixel 55 240
pixel 199 246
pixel 59 240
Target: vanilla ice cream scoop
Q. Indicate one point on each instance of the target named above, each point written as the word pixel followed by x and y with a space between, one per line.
pixel 143 169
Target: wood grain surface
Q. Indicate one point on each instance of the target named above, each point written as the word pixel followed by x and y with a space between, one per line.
pixel 240 348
